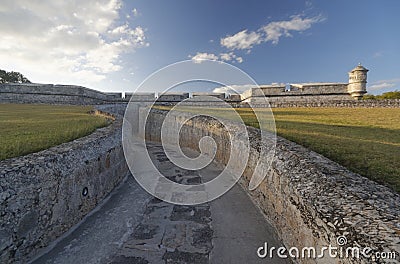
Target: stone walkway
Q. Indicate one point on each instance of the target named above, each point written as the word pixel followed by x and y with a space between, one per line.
pixel 133 227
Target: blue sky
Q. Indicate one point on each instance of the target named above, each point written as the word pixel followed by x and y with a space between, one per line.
pixel 113 45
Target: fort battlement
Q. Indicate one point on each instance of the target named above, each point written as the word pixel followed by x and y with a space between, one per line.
pixel 311 92
pixel 298 93
pixel 277 95
pixel 68 181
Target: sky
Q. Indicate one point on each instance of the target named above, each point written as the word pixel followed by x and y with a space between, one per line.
pixel 114 45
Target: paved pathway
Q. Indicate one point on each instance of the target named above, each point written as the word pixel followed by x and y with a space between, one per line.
pixel 133 227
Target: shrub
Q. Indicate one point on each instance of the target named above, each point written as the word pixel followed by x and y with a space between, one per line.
pixel 390 95
pixel 369 97
pixel 387 95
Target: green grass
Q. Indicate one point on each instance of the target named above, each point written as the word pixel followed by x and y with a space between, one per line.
pixel 27 128
pixel 365 140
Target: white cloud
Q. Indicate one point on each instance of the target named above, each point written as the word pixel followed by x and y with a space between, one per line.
pixel 200 56
pixel 272 32
pixel 233 89
pixel 241 40
pixel 383 84
pixel 226 56
pixel 65 41
pixel 135 12
pixel 230 56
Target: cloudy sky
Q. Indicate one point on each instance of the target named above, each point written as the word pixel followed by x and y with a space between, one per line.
pixel 113 45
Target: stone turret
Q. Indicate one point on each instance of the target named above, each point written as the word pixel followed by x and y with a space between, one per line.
pixel 357 82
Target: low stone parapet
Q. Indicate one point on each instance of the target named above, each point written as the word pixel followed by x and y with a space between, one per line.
pixel 42 195
pixel 310 200
pixel 318 102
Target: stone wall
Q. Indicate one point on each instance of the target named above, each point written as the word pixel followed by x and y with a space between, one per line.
pixel 310 89
pixel 44 194
pixel 310 199
pixel 217 95
pixel 37 93
pixel 304 95
pixel 142 97
pixel 114 96
pixel 302 99
pixel 52 94
pixel 316 88
pixel 389 103
pixel 172 97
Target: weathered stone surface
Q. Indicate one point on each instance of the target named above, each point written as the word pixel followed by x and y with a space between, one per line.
pixel 42 193
pixel 322 101
pixel 172 97
pixel 169 233
pixel 300 95
pixel 310 200
pixel 228 229
pixel 52 94
pixel 358 81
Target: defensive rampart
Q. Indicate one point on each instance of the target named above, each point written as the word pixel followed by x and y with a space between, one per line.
pixel 299 95
pixel 52 94
pixel 315 101
pixel 43 194
pixel 310 199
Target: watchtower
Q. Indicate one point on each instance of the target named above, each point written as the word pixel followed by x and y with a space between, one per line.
pixel 357 86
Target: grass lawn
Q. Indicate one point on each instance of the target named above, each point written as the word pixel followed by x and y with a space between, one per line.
pixel 365 140
pixel 28 128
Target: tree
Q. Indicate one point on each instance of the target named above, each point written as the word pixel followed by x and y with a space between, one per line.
pixel 12 77
pixel 387 95
pixel 369 97
pixel 390 95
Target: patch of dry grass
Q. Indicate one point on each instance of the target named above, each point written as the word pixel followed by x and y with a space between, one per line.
pixel 365 140
pixel 28 128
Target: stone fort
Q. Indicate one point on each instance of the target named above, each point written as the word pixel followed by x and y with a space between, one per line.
pixel 81 192
pixel 355 89
pixel 307 94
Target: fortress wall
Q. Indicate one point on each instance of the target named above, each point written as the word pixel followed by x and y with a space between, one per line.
pixel 299 89
pixel 267 90
pixel 301 95
pixel 298 92
pixel 302 99
pixel 51 94
pixel 389 103
pixel 42 194
pixel 327 102
pixel 172 97
pixel 217 95
pixel 234 97
pixel 143 97
pixel 334 88
pixel 114 96
pixel 310 199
